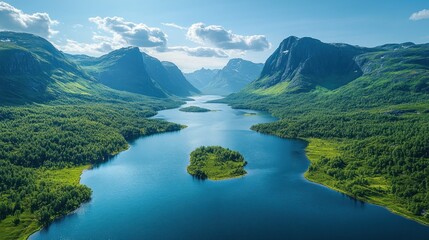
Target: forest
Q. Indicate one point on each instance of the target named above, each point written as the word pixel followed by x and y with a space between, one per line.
pixel 216 163
pixel 39 140
pixel 381 133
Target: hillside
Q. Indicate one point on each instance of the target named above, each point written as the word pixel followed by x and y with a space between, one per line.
pixel 128 69
pixel 368 105
pixel 33 69
pixel 122 69
pixel 55 121
pixel 168 76
pixel 232 78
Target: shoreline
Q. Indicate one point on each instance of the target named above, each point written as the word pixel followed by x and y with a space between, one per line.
pixel 86 168
pixel 312 153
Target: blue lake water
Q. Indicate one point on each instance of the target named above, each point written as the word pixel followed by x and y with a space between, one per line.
pixel 146 193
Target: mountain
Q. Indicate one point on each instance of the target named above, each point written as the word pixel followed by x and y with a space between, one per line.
pixel 232 78
pixel 122 69
pixel 301 64
pixel 364 113
pixel 32 69
pixel 306 64
pixel 168 76
pixel 202 77
pixel 127 69
pixel 56 120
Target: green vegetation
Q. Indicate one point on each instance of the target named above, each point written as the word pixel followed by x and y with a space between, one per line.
pixel 55 120
pixel 33 197
pixel 380 156
pixel 368 138
pixel 44 148
pixel 216 163
pixel 194 109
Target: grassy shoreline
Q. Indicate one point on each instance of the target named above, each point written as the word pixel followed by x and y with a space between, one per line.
pixel 29 223
pixel 70 175
pixel 317 148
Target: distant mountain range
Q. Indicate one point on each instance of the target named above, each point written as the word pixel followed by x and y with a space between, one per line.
pixel 33 70
pixel 168 77
pixel 201 78
pixel 232 78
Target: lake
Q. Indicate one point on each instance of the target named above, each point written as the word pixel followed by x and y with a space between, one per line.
pixel 146 193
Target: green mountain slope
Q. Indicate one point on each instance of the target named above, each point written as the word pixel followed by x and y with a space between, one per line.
pixel 367 127
pixel 168 77
pixel 128 69
pixel 122 69
pixel 33 69
pixel 56 120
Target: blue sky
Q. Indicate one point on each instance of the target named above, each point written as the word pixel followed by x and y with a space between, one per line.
pixel 209 33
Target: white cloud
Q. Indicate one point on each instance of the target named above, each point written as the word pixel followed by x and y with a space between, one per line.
pixel 225 39
pixel 423 14
pixel 77 26
pixel 200 51
pixel 136 34
pixel 13 19
pixel 100 45
pixel 93 49
pixel 173 25
pixel 117 33
pixel 188 63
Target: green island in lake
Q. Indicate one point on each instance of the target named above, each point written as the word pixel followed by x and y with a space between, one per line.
pixel 216 163
pixel 194 109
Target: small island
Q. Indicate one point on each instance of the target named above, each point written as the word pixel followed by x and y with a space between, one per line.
pixel 216 163
pixel 194 109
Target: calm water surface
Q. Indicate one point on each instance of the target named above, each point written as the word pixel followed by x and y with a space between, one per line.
pixel 146 193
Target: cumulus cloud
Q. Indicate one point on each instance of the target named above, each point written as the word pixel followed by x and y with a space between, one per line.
pixel 173 25
pixel 100 45
pixel 225 39
pixel 200 51
pixel 137 34
pixel 423 14
pixel 13 19
pixel 117 32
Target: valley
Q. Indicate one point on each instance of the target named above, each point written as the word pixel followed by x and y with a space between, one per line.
pixel 149 183
pixel 117 144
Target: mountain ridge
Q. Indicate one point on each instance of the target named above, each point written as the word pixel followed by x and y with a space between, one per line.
pixel 304 63
pixel 236 74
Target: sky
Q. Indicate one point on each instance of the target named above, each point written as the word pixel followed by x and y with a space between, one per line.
pixel 195 34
